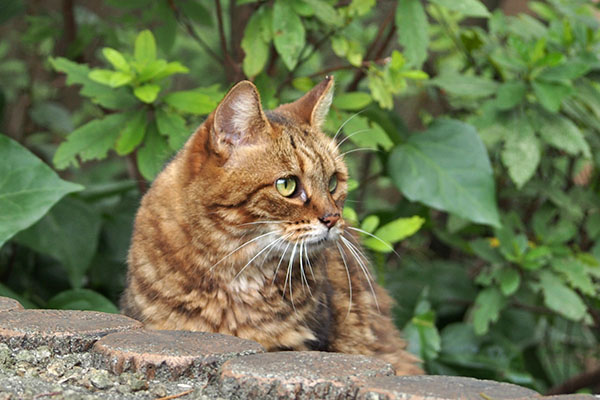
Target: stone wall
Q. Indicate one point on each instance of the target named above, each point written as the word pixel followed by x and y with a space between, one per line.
pixel 62 354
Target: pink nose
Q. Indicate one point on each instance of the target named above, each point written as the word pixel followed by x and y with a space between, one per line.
pixel 330 219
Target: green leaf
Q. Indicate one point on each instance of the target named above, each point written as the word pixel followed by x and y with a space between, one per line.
pixel 173 126
pixel 105 96
pixel 510 95
pixel 522 152
pixel 394 232
pixel 149 70
pixel 147 93
pixel 509 280
pixel 116 59
pixel 468 8
pixel 413 35
pixel 191 101
pixel 572 69
pixel 256 49
pixel 488 304
pixel 560 298
pixel 145 47
pixel 423 337
pixel 562 133
pixel 370 223
pixel 380 91
pixel 132 134
pixel 350 215
pixel 28 188
pixel 110 78
pixel 551 95
pixel 465 85
pixel 288 33
pixel 69 233
pixel 82 299
pixel 447 168
pixel 152 156
pixel 365 133
pixel 576 274
pixel 352 101
pixel 325 12
pixel 90 141
pixel 171 68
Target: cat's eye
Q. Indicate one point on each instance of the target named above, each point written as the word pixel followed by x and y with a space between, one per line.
pixel 333 182
pixel 286 186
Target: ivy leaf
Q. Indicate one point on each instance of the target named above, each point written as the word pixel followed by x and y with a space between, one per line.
pixel 28 188
pixel 413 35
pixel 288 33
pixel 105 96
pixel 191 101
pixel 562 133
pixel 465 85
pixel 522 152
pixel 82 299
pixel 468 8
pixel 394 232
pixel 256 49
pixel 145 47
pixel 352 101
pixel 551 94
pixel 147 93
pixel 488 304
pixel 509 280
pixel 173 126
pixel 560 298
pixel 90 141
pixel 132 134
pixel 69 233
pixel 116 59
pixel 152 156
pixel 447 168
pixel 325 12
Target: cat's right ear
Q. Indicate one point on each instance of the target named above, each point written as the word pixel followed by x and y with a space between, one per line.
pixel 238 120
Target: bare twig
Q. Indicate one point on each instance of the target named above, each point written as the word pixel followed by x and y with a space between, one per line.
pixel 232 69
pixel 190 29
pixel 134 172
pixel 586 379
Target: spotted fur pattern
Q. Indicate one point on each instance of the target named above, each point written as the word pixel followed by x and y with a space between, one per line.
pixel 217 248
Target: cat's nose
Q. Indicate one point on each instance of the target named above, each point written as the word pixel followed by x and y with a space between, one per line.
pixel 330 219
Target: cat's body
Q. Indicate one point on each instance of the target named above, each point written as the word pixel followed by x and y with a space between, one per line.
pixel 221 243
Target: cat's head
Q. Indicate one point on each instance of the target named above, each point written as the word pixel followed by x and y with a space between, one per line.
pixel 273 171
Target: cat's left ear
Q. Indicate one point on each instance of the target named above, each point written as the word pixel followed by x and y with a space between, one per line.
pixel 314 105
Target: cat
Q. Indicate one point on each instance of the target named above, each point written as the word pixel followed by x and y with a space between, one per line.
pixel 242 233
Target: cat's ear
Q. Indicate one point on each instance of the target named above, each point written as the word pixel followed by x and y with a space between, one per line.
pixel 239 118
pixel 314 105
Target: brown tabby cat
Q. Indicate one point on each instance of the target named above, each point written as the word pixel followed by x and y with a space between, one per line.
pixel 242 234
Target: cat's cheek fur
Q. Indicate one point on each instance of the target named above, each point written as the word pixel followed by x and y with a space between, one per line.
pixel 216 248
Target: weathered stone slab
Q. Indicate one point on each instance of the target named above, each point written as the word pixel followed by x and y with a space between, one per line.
pixel 440 388
pixel 170 354
pixel 8 304
pixel 64 331
pixel 570 397
pixel 298 375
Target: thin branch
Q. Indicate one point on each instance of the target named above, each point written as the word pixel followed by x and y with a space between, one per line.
pixel 586 379
pixel 190 29
pixel 232 69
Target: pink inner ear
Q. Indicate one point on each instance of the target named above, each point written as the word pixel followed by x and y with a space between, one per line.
pixel 239 117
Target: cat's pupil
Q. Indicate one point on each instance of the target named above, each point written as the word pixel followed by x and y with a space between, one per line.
pixel 333 184
pixel 286 186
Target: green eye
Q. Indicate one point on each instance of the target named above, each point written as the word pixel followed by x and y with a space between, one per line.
pixel 333 184
pixel 286 186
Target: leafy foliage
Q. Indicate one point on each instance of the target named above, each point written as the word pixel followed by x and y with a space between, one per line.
pixel 472 138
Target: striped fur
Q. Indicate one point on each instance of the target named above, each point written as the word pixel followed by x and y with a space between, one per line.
pixel 216 248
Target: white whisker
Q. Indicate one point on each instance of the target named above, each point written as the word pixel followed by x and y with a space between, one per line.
pixel 375 237
pixel 363 267
pixel 243 245
pixel 270 245
pixel 308 262
pixel 346 121
pixel 280 260
pixel 289 274
pixel 348 276
pixel 353 150
pixel 350 135
pixel 302 274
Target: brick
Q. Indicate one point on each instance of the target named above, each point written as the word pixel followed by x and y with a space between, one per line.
pixel 440 388
pixel 170 354
pixel 297 375
pixel 64 331
pixel 8 304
